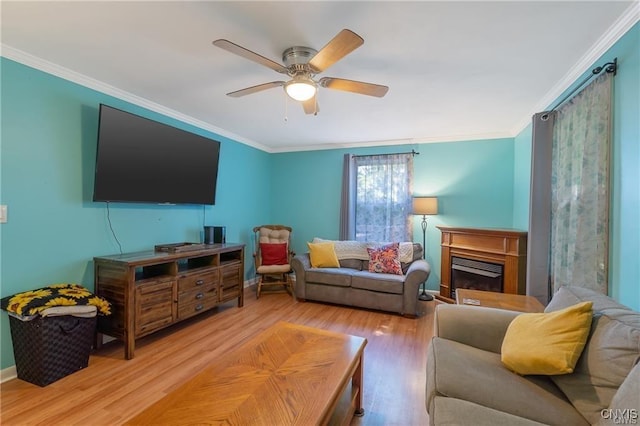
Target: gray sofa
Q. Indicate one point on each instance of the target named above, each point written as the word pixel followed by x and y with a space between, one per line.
pixel 468 384
pixel 353 285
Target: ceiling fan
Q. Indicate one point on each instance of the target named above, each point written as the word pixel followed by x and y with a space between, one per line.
pixel 302 64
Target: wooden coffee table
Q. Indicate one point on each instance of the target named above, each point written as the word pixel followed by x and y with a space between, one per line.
pixel 491 299
pixel 289 374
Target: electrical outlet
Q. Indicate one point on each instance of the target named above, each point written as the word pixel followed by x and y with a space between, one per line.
pixel 3 213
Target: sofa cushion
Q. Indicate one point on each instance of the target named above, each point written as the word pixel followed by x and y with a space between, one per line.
pixel 547 343
pixel 417 254
pixel 455 412
pixel 569 295
pixel 611 351
pixel 385 283
pixel 340 277
pixel 351 263
pixel 626 401
pixel 379 301
pixel 328 293
pixel 385 259
pixel 323 255
pixel 459 371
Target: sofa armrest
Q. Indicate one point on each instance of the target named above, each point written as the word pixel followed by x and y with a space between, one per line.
pixel 483 328
pixel 300 263
pixel 417 273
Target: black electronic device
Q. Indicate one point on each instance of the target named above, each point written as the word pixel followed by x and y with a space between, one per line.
pixel 215 234
pixel 141 160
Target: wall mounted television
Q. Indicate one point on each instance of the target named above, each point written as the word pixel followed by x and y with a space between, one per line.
pixel 143 161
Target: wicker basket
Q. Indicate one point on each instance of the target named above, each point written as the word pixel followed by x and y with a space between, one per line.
pixel 48 349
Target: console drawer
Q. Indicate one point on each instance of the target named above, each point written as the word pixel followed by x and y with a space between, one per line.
pixel 195 281
pixel 186 310
pixel 198 294
pixel 197 300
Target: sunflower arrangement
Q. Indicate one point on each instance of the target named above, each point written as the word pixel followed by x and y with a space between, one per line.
pixel 34 302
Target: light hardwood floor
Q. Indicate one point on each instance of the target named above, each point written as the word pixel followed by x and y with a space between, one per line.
pixel 112 390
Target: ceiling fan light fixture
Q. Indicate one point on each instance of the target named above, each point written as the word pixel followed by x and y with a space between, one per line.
pixel 300 89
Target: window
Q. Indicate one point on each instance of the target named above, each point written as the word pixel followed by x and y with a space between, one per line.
pixel 380 197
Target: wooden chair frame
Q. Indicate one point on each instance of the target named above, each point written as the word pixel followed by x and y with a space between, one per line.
pixel 273 279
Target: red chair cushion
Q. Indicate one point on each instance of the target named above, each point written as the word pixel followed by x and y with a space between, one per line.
pixel 274 253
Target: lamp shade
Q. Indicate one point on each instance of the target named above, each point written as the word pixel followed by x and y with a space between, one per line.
pixel 425 205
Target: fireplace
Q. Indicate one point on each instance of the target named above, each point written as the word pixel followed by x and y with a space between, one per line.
pixel 475 275
pixel 482 259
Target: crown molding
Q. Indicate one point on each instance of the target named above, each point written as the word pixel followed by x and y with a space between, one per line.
pixel 91 83
pixel 394 142
pixel 627 20
pixel 340 145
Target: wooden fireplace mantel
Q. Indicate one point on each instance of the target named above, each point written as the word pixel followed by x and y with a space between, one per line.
pixel 507 247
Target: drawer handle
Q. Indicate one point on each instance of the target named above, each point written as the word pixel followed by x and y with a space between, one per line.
pixel 199 307
pixel 199 296
pixel 199 282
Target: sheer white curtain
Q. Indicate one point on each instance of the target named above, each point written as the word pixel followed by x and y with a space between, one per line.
pixel 580 189
pixel 383 191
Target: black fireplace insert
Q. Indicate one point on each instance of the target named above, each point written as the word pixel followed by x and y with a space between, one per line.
pixel 475 275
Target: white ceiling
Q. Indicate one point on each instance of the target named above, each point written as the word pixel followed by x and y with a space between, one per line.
pixel 455 70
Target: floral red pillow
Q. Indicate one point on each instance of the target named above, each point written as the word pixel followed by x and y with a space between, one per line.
pixel 274 253
pixel 385 259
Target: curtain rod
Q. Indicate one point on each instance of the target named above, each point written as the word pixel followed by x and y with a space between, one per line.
pixel 413 152
pixel 609 67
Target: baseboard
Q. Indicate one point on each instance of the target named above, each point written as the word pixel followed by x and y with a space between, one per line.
pixel 8 373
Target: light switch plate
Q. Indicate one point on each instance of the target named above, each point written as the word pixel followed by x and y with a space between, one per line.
pixel 3 213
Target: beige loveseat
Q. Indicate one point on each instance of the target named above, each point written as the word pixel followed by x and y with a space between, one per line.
pixel 353 285
pixel 467 383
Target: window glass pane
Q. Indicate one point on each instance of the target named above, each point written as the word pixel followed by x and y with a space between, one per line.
pixel 383 198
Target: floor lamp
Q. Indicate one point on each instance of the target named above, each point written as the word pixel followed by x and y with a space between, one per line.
pixel 425 206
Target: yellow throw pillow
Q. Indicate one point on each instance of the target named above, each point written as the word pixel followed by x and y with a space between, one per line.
pixel 323 255
pixel 547 343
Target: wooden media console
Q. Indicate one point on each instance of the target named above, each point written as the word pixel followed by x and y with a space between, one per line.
pixel 152 290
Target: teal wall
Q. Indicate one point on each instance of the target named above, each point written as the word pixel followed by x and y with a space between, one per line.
pixel 521 178
pixel 49 128
pixel 472 180
pixel 624 267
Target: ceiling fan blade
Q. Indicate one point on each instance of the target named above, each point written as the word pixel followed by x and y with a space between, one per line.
pixel 340 46
pixel 248 54
pixel 255 89
pixel 360 87
pixel 311 106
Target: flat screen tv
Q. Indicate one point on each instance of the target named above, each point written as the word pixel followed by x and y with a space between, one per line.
pixel 141 160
